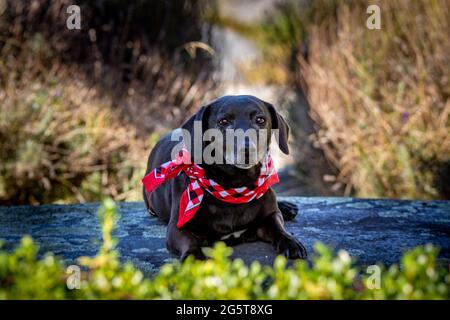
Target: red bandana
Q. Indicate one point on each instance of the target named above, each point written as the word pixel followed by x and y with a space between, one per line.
pixel 192 197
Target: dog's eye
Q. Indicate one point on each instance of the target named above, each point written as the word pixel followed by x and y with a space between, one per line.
pixel 224 122
pixel 260 120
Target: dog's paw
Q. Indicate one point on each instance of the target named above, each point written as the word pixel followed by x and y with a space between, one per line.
pixel 291 248
pixel 289 210
pixel 196 253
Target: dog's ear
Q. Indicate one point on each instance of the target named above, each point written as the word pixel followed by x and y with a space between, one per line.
pixel 279 123
pixel 198 116
pixel 189 126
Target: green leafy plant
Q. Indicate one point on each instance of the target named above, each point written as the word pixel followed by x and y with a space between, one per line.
pixel 329 276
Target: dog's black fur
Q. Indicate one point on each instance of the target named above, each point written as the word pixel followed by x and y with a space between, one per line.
pixel 262 218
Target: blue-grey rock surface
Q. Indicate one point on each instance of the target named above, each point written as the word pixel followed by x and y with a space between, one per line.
pixel 372 231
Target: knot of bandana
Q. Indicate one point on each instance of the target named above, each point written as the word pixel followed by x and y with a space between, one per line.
pixel 192 197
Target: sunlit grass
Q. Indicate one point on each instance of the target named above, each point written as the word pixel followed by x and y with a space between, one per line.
pixel 380 97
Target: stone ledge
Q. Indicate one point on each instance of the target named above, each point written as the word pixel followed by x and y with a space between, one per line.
pixel 370 230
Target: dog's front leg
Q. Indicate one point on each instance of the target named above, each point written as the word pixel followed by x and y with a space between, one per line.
pixel 183 243
pixel 273 231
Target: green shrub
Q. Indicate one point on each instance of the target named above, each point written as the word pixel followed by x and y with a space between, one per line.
pixel 330 276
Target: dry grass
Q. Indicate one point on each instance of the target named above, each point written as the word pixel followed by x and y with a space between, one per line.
pixel 380 98
pixel 61 142
pixel 76 121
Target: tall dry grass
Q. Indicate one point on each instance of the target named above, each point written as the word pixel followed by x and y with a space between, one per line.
pixel 60 140
pixel 380 98
pixel 80 110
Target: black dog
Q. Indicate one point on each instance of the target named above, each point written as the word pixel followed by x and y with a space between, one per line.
pixel 259 219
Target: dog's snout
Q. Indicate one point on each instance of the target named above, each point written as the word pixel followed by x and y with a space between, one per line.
pixel 246 153
pixel 247 147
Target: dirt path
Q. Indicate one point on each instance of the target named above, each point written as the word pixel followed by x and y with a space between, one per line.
pixel 301 172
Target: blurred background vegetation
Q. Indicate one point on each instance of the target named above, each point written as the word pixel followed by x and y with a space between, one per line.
pixel 80 110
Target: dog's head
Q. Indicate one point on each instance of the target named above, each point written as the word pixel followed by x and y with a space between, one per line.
pixel 235 130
